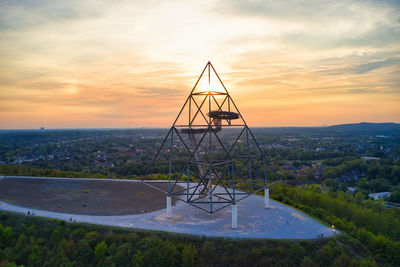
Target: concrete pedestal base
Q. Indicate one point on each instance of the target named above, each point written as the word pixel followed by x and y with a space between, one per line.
pixel 266 198
pixel 169 208
pixel 234 216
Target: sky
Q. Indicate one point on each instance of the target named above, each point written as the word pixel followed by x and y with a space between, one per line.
pixel 124 64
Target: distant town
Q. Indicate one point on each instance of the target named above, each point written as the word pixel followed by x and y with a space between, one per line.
pixel 352 158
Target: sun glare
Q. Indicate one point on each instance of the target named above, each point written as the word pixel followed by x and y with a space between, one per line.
pixel 209 83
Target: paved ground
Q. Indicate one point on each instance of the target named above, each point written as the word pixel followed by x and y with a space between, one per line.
pixel 279 221
pixel 83 196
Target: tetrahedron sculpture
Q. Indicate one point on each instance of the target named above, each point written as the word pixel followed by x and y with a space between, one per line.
pixel 212 157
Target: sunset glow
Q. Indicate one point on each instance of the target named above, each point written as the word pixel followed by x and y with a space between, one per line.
pixel 102 64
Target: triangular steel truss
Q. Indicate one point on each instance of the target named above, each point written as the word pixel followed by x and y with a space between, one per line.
pixel 223 161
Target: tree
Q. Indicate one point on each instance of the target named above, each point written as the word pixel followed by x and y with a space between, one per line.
pixel 35 258
pixel 330 172
pixel 55 236
pixel 359 197
pixel 395 196
pixel 6 235
pixel 137 259
pixel 342 260
pixel 69 249
pixel 296 251
pixel 331 183
pixel 307 262
pixel 100 251
pixel 6 263
pixel 84 252
pixel 189 253
pixel 379 185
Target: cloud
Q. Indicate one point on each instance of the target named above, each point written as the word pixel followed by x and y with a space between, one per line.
pixel 158 92
pixel 321 24
pixel 364 68
pixel 311 11
pixel 377 36
pixel 361 91
pixel 26 15
pixel 134 62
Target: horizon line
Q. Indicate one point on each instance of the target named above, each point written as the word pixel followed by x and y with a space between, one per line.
pixel 144 127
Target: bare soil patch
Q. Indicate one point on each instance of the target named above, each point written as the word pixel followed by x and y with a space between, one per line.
pixel 91 197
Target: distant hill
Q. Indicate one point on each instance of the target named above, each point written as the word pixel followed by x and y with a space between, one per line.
pixel 366 127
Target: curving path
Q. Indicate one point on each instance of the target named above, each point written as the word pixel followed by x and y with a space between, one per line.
pixel 254 221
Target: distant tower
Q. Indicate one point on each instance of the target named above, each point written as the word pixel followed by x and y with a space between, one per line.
pixel 210 151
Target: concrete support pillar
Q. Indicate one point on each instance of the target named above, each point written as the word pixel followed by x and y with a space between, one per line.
pixel 169 214
pixel 234 216
pixel 266 198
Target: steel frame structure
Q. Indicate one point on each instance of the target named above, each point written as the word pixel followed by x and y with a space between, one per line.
pixel 214 183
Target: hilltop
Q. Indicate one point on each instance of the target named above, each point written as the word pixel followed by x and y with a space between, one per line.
pixel 366 127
